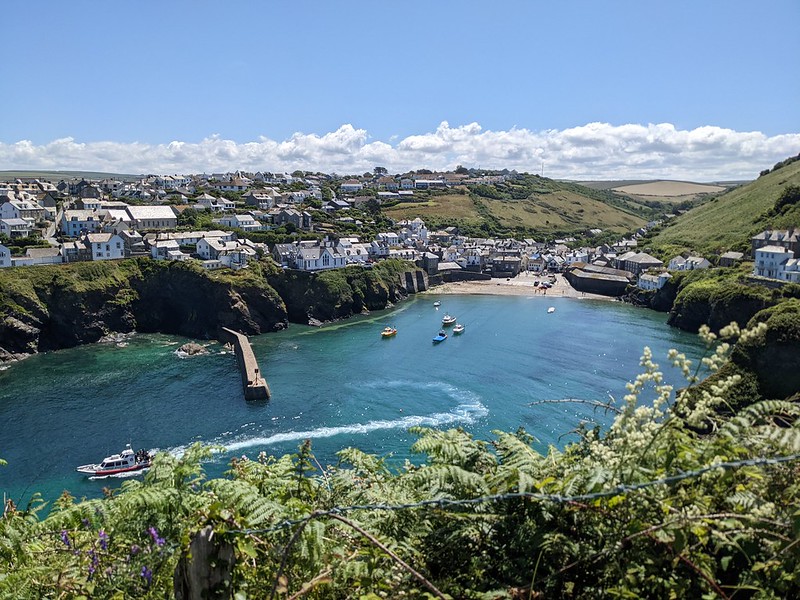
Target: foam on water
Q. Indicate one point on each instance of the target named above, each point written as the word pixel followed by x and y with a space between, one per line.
pixel 468 411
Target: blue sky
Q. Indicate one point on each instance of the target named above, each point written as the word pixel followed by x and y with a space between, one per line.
pixel 278 84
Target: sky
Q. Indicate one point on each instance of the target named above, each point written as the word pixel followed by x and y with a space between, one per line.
pixel 578 89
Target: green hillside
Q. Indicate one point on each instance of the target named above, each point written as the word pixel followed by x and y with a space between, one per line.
pixel 524 205
pixel 729 221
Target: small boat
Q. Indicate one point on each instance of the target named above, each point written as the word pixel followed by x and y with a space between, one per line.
pixel 448 320
pixel 440 337
pixel 388 332
pixel 437 303
pixel 124 462
pixel 552 309
pixel 458 329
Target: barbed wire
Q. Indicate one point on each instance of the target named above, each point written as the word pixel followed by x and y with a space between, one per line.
pixel 555 498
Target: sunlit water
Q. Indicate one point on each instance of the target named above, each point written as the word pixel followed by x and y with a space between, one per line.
pixel 339 385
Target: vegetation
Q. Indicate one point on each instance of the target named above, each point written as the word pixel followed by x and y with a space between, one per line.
pixel 675 499
pixel 525 206
pixel 728 221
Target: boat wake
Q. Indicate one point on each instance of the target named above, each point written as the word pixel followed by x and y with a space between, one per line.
pixel 468 411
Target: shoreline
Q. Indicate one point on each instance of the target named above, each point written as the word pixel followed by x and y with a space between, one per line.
pixel 522 285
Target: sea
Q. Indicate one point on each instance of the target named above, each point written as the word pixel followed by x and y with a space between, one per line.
pixel 339 385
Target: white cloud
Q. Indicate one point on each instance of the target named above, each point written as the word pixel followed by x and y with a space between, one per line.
pixel 591 151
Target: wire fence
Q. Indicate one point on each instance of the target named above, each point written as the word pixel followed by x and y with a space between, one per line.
pixel 555 498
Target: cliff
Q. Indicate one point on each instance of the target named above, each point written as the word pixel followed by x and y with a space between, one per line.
pixel 50 307
pixel 340 293
pixel 46 308
pixel 769 364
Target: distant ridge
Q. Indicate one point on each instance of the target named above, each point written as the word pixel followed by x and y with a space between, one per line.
pixel 58 175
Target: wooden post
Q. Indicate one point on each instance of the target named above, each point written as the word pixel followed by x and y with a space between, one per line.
pixel 204 572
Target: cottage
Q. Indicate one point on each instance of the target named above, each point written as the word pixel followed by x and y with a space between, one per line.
pixel 730 259
pixel 75 222
pixel 318 258
pixel 653 281
pixel 104 246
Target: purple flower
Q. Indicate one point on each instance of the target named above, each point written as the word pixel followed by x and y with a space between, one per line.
pixel 65 538
pixel 103 536
pixel 85 523
pixel 147 575
pixel 135 550
pixel 154 534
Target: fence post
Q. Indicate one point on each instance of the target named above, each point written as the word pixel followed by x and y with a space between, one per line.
pixel 204 572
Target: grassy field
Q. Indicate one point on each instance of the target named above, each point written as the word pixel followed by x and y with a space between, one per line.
pixel 731 219
pixel 668 189
pixel 548 209
pixel 562 211
pixel 454 206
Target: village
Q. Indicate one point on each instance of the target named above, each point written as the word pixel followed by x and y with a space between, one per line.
pixel 110 219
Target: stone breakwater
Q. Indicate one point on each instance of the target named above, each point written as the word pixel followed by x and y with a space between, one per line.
pixel 254 384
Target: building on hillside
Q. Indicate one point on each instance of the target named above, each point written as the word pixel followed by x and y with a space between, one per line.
pixel 679 263
pixel 730 259
pixel 653 281
pixel 104 246
pixel 769 261
pixel 5 256
pixel 637 262
pixel 786 238
pixel 76 222
pixel 153 217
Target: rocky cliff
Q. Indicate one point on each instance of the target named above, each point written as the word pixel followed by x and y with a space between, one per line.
pixel 340 293
pixel 50 307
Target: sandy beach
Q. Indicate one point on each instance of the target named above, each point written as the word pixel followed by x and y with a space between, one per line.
pixel 522 285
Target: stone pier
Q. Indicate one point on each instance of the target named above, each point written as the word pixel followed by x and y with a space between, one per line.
pixel 255 386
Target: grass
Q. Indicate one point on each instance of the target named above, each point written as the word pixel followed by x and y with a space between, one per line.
pixel 549 208
pixel 728 221
pixel 455 206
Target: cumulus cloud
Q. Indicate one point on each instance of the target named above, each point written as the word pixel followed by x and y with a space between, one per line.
pixel 591 151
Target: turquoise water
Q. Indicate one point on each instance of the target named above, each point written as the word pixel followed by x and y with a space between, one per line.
pixel 341 385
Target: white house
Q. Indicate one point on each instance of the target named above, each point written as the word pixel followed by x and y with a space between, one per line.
pixel 5 257
pixel 245 222
pixel 15 228
pixel 351 185
pixel 790 271
pixel 22 209
pixel 318 258
pixel 770 259
pixel 679 263
pixel 104 246
pixel 653 281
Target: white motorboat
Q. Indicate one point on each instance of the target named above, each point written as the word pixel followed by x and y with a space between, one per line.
pixel 124 462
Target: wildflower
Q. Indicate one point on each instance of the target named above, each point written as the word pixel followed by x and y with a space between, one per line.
pixel 103 536
pixel 147 575
pixel 135 549
pixel 85 523
pixel 154 534
pixel 65 538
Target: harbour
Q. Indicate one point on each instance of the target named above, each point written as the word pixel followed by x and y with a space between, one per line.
pixel 339 385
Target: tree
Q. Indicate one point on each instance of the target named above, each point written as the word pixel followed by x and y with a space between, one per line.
pixel 380 170
pixel 462 170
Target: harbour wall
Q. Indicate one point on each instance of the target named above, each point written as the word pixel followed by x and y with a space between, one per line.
pixel 253 382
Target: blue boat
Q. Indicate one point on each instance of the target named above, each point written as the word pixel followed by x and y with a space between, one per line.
pixel 441 337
